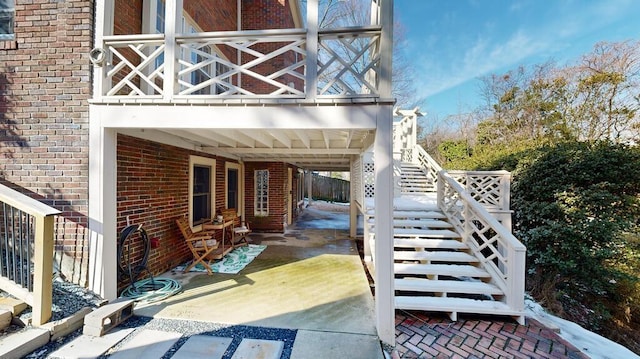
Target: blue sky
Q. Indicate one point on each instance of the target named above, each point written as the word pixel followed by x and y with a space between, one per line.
pixel 454 42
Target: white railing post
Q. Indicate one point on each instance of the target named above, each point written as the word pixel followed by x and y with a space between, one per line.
pixel 103 27
pixel 173 16
pixel 516 278
pixel 311 75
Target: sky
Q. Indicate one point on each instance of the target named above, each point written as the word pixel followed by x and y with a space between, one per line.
pixel 451 44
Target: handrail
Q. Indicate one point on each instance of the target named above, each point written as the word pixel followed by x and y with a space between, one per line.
pixel 499 252
pixel 27 221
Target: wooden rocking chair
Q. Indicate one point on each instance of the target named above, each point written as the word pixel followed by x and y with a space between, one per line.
pixel 240 228
pixel 201 245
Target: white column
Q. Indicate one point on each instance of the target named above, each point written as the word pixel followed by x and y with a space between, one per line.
pixel 383 149
pixel 312 50
pixel 102 207
pixel 103 27
pixel 310 186
pixel 173 17
pixel 353 208
pixel 383 251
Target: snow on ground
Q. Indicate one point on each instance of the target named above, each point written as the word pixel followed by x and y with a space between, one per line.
pixel 592 344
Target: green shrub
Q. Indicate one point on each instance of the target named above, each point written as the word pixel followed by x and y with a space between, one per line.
pixel 574 205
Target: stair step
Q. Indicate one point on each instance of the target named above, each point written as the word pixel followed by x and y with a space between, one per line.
pixel 431 233
pixel 430 223
pixel 446 286
pixel 455 305
pixel 442 256
pixel 454 270
pixel 419 214
pixel 429 243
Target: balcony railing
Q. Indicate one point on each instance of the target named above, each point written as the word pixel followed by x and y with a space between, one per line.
pixel 271 64
pixel 26 251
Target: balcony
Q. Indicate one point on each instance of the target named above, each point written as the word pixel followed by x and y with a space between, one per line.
pixel 242 67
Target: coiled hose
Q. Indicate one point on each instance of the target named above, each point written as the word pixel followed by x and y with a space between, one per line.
pixel 149 289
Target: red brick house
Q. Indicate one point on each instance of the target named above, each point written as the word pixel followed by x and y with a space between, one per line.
pixel 142 111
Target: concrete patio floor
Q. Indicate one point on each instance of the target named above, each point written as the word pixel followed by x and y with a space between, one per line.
pixel 311 280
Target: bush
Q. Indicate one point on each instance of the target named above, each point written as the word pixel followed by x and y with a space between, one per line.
pixel 575 205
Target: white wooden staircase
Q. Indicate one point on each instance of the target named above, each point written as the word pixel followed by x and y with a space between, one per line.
pixel 413 180
pixel 434 270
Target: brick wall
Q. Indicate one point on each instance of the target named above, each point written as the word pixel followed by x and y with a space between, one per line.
pixel 44 87
pixel 153 189
pixel 278 209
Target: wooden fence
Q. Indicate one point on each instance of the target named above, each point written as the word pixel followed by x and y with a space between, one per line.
pixel 330 189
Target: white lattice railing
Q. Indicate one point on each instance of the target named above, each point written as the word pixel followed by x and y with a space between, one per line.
pixel 499 252
pixel 258 63
pixel 349 61
pixel 136 66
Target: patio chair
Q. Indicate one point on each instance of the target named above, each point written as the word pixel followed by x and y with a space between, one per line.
pixel 240 228
pixel 201 244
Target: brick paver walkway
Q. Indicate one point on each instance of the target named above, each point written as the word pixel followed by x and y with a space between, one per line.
pixel 422 336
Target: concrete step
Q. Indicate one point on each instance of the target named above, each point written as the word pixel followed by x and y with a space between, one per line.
pixel 147 343
pixel 434 256
pixel 453 270
pixel 429 243
pixel 446 286
pixel 89 346
pixel 203 346
pixel 17 345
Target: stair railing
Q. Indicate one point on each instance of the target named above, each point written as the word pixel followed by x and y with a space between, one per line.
pixel 499 252
pixel 26 251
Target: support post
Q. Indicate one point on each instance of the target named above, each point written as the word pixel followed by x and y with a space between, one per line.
pixel 173 16
pixel 310 187
pixel 43 271
pixel 383 149
pixel 383 251
pixel 311 77
pixel 103 27
pixel 102 207
pixel 353 208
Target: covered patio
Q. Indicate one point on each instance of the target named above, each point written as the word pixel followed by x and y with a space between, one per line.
pixel 307 279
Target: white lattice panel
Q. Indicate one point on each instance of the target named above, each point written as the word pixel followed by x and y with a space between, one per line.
pixel 135 68
pixel 368 177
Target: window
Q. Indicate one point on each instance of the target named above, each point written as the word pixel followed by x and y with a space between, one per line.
pixel 201 189
pixel 261 193
pixel 232 184
pixel 7 11
pixel 159 28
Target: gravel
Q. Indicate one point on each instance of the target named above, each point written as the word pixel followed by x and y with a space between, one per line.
pixel 69 298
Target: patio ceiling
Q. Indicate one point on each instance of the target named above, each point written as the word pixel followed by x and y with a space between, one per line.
pixel 313 149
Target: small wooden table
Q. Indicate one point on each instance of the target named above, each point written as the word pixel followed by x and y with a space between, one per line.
pixel 226 244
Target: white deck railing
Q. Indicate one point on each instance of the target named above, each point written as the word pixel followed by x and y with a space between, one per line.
pixel 26 251
pixel 499 252
pixel 242 64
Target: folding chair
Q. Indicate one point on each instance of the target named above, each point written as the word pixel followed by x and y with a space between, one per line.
pixel 240 228
pixel 201 244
